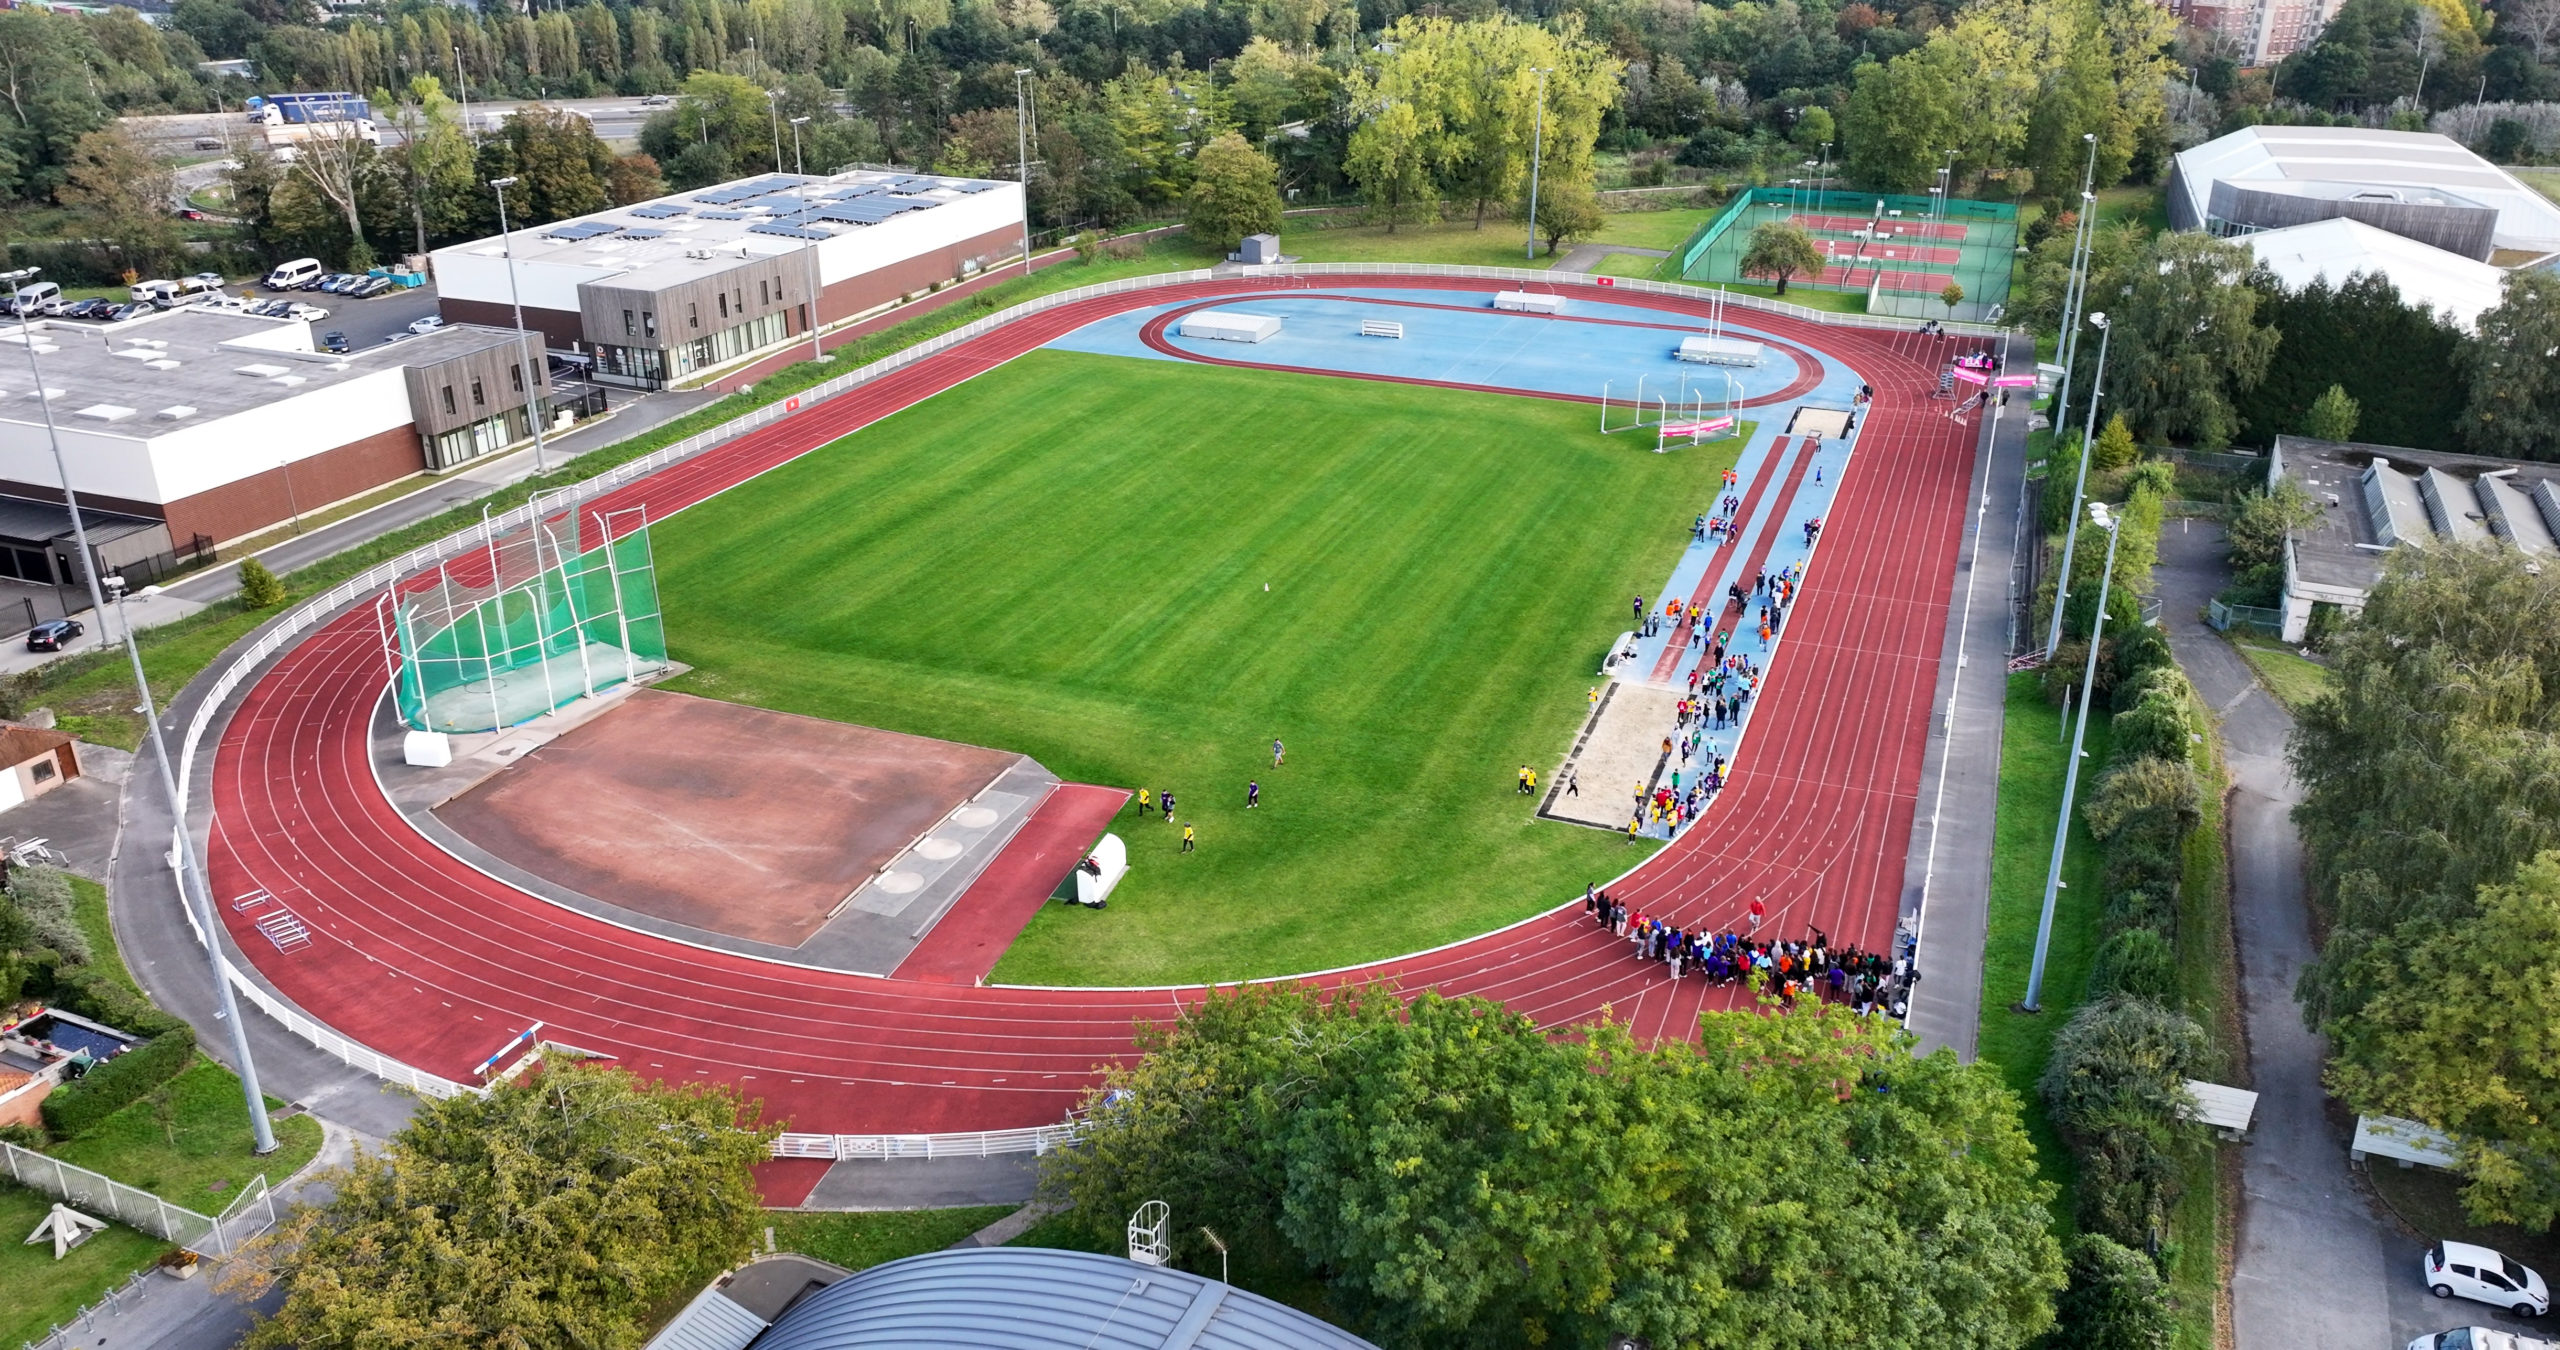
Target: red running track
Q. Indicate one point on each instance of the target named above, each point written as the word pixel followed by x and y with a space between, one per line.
pixel 425 959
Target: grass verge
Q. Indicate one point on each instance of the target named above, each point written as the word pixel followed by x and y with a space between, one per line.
pixel 858 1241
pixel 1174 566
pixel 188 1142
pixel 38 1292
pixel 2294 679
pixel 2201 1226
pixel 2034 747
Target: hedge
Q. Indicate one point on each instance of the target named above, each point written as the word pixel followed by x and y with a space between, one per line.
pixel 74 1109
pixel 102 997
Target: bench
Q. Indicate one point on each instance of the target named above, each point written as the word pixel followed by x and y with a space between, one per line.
pixel 1385 328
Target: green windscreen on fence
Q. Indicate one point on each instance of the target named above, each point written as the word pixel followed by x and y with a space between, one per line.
pixel 1901 251
pixel 527 626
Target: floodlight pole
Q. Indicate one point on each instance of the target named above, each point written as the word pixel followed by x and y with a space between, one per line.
pixel 1022 158
pixel 532 377
pixel 2071 772
pixel 816 288
pixel 2071 536
pixel 191 885
pixel 2075 292
pixel 462 89
pixel 1537 149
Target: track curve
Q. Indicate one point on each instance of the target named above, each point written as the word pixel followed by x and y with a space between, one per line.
pixel 428 960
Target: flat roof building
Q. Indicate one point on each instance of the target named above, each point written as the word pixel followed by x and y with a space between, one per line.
pixel 2338 248
pixel 2375 498
pixel 190 428
pixel 2416 184
pixel 663 291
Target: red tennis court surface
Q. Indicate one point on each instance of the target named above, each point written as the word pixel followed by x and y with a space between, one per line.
pixel 718 816
pixel 431 962
pixel 1865 251
pixel 1887 227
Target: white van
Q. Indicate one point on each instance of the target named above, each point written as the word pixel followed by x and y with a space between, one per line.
pixel 42 297
pixel 161 293
pixel 295 275
pixel 194 290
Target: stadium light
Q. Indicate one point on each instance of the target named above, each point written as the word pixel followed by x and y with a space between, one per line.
pixel 816 290
pixel 1537 147
pixel 515 301
pixel 191 883
pixel 1022 158
pixel 2088 432
pixel 2099 514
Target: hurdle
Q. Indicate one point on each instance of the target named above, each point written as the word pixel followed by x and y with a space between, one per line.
pixel 284 930
pixel 1381 328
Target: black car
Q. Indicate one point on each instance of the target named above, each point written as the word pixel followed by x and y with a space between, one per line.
pixel 82 309
pixel 49 637
pixel 333 341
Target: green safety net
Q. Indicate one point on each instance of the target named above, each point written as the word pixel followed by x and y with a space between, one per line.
pixel 482 654
pixel 1901 273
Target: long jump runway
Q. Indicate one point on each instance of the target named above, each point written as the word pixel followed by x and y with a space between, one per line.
pixel 427 960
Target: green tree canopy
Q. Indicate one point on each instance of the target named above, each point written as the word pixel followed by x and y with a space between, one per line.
pixel 1781 249
pixel 2186 338
pixel 2512 372
pixel 1460 1175
pixel 1233 194
pixel 2332 416
pixel 562 1210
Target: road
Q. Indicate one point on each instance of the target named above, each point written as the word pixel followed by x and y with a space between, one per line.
pixel 2318 1262
pixel 616 119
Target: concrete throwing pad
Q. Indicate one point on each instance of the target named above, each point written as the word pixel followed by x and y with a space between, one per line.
pixel 725 818
pixel 1617 749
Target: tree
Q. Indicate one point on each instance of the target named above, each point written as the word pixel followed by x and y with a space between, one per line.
pixel 2186 338
pixel 559 162
pixel 126 193
pixel 2253 538
pixel 1233 194
pixel 2363 338
pixel 1568 209
pixel 634 178
pixel 1388 160
pixel 561 1210
pixel 434 158
pixel 2116 1299
pixel 1463 1176
pixel 1781 249
pixel 2511 372
pixel 2116 1088
pixel 259 588
pixel 2115 448
pixel 2332 416
pixel 2467 1042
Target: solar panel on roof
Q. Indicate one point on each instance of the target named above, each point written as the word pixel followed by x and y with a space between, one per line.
pixel 657 211
pixel 789 231
pixel 636 232
pixel 723 215
pixel 585 229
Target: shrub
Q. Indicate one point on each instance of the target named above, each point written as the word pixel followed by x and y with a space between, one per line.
pixel 2149 798
pixel 2115 1301
pixel 2155 728
pixel 2166 679
pixel 100 996
pixel 2141 865
pixel 2137 962
pixel 259 588
pixel 2133 650
pixel 2150 904
pixel 43 897
pixel 2122 1058
pixel 74 1109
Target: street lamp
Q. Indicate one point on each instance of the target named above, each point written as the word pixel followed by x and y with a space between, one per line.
pixel 1537 148
pixel 811 248
pixel 515 301
pixel 2088 431
pixel 1022 158
pixel 2075 292
pixel 191 883
pixel 2071 773
pixel 462 91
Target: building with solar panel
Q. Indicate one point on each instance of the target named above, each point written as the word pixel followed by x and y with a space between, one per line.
pixel 667 291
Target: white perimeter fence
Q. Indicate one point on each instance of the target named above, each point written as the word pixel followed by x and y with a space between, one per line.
pixel 250 1213
pixel 289 628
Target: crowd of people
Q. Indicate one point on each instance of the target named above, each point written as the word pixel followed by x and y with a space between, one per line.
pixel 1867 982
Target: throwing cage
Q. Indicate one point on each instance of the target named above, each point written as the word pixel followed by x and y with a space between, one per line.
pixel 536 619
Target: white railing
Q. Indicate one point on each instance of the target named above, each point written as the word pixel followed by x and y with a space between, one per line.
pixel 98 1193
pixel 294 622
pixel 82 1325
pixel 1037 1139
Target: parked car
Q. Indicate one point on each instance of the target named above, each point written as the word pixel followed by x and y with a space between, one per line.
pixel 330 283
pixel 134 310
pixel 373 286
pixel 189 213
pixel 333 341
pixel 2461 1270
pixel 308 313
pixel 81 309
pixel 50 636
pixel 2478 1338
pixel 427 325
pixel 295 275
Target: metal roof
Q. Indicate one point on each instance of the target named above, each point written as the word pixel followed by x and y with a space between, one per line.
pixel 713 1321
pixel 1036 1298
pixel 2329 161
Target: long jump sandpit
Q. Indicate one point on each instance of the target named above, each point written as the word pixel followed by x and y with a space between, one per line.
pixel 725 818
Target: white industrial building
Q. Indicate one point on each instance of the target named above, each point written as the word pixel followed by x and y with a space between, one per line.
pixel 2336 249
pixel 663 291
pixel 194 427
pixel 2416 184
pixel 2375 498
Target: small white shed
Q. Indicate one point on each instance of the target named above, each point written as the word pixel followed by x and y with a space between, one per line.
pixel 1228 326
pixel 1529 302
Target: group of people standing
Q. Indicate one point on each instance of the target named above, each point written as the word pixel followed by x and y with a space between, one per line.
pixel 1867 982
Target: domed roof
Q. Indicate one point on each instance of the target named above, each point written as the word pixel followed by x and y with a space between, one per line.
pixel 1036 1298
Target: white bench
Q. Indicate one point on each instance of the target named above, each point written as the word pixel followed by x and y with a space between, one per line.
pixel 1113 857
pixel 1385 328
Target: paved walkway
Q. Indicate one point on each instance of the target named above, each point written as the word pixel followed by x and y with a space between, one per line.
pixel 1587 257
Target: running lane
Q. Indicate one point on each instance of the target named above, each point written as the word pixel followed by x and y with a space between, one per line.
pixel 430 961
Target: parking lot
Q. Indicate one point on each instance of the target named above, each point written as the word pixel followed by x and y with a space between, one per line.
pixel 367 323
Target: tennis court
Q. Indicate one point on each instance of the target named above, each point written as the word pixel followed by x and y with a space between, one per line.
pixel 1901 251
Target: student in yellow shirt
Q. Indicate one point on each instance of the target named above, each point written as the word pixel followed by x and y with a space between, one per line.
pixel 1190 838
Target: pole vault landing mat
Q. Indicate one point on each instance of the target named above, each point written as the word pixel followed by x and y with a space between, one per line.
pixel 758 827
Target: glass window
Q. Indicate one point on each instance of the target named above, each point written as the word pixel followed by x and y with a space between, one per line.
pixel 478 399
pixel 724 304
pixel 692 314
pixel 515 377
pixel 626 323
pixel 649 323
pixel 448 400
pixel 764 291
pixel 42 769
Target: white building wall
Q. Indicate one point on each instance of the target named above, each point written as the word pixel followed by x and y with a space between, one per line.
pixel 479 272
pixel 144 459
pixel 103 463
